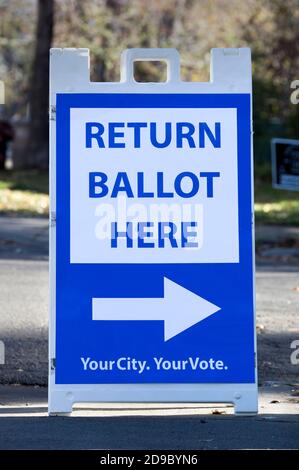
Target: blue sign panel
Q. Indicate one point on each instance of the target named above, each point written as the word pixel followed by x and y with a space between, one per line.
pixel 154 270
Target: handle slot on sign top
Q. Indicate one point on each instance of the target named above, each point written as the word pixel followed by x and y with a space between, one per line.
pixel 169 56
pixel 150 71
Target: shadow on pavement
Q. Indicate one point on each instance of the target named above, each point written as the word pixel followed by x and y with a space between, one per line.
pixel 183 432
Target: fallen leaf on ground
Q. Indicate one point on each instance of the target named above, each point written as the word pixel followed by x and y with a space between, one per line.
pixel 218 412
pixel 260 328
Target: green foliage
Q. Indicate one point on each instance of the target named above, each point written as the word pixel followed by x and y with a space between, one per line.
pixel 28 180
pixel 16 42
pixel 24 193
pixel 273 206
pixel 106 27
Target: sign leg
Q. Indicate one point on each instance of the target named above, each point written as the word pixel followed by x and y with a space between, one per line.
pixel 246 403
pixel 60 403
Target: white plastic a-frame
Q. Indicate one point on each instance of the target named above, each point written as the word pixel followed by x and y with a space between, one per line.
pixel 69 73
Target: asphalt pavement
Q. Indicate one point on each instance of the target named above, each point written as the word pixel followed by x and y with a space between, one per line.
pixel 24 301
pixel 25 425
pixel 23 329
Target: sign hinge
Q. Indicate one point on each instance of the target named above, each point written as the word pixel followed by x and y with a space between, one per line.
pixel 52 113
pixel 53 219
pixel 53 363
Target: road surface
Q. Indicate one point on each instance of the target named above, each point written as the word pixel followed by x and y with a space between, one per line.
pixel 23 328
pixel 24 304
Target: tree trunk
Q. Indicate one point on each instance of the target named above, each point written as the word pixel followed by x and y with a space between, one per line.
pixel 37 155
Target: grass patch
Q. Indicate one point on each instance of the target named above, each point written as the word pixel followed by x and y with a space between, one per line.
pixel 26 193
pixel 30 180
pixel 275 206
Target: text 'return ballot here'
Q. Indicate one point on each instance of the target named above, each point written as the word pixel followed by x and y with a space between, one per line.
pixel 154 185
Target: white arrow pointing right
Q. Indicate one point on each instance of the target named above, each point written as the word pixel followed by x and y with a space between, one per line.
pixel 179 309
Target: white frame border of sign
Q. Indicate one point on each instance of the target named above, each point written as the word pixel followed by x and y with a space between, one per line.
pixel 275 141
pixel 69 73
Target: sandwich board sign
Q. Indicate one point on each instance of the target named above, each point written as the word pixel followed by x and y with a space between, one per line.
pixel 285 164
pixel 151 238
